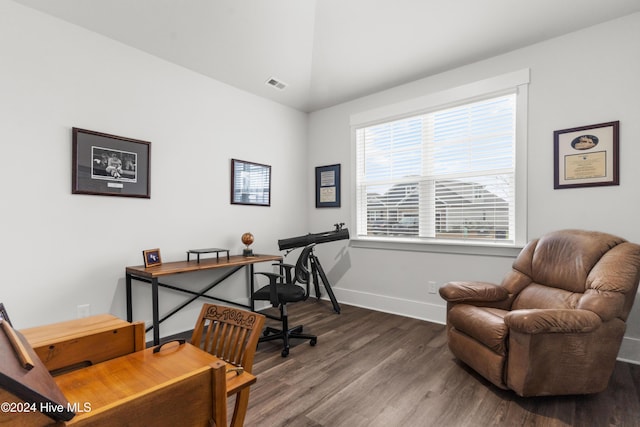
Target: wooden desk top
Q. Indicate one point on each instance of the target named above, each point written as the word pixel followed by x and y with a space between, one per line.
pixel 168 268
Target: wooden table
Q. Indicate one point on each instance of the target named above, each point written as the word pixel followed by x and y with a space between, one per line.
pixel 152 274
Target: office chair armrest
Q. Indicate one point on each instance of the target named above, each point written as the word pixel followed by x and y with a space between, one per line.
pixel 286 270
pixel 273 288
pixel 283 264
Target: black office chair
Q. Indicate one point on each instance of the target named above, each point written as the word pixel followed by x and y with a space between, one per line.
pixel 283 289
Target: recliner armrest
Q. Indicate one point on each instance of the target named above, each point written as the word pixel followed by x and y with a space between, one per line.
pixel 466 292
pixel 541 321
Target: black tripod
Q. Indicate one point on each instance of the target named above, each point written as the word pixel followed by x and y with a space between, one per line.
pixel 316 269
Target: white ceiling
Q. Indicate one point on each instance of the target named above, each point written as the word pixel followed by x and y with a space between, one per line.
pixel 329 51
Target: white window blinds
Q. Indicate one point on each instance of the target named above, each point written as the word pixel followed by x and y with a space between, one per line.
pixel 444 175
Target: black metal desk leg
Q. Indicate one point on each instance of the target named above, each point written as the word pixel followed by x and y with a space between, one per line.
pixel 156 316
pixel 129 302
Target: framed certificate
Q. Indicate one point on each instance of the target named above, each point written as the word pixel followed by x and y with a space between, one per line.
pixel 328 186
pixel 587 156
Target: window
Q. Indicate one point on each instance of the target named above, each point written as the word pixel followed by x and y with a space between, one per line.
pixel 447 174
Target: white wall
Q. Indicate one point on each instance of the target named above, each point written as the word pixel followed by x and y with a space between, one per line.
pixel 61 250
pixel 584 78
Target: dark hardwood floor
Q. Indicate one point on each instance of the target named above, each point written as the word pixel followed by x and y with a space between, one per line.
pixel 376 369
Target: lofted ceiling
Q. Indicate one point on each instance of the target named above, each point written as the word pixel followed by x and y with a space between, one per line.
pixel 329 51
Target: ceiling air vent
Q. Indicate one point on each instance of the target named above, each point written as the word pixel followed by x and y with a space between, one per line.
pixel 276 83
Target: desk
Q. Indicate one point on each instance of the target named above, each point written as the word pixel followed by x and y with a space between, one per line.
pixel 152 274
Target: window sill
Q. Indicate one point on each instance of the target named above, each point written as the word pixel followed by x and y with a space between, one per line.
pixel 486 249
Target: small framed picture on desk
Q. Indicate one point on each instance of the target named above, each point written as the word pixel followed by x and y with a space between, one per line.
pixel 151 257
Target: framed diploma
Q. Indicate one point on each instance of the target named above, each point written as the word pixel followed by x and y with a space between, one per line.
pixel 328 186
pixel 587 156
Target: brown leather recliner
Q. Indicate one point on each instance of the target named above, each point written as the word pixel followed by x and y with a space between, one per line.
pixel 555 324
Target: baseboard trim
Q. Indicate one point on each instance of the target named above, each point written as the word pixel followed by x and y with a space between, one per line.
pixel 629 350
pixel 402 307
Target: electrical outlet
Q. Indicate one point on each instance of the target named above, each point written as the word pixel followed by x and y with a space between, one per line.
pixel 433 287
pixel 83 310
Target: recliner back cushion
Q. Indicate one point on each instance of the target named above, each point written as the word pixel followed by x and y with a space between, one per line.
pixel 564 260
pixel 559 265
pixel 613 282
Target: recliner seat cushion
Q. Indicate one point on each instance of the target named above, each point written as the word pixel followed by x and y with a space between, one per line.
pixel 484 324
pixel 540 296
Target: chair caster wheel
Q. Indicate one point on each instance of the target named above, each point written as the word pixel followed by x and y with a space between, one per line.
pixel 313 342
pixel 285 352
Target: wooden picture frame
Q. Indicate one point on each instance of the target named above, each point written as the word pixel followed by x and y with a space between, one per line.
pixel 250 183
pixel 587 156
pixel 328 186
pixel 151 257
pixel 110 165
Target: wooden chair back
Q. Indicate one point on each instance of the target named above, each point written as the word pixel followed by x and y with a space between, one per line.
pixel 229 333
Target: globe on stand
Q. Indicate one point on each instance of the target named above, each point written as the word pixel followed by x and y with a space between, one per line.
pixel 247 239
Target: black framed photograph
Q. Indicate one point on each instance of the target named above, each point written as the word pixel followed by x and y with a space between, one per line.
pixel 151 257
pixel 328 186
pixel 587 156
pixel 4 315
pixel 110 165
pixel 250 183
